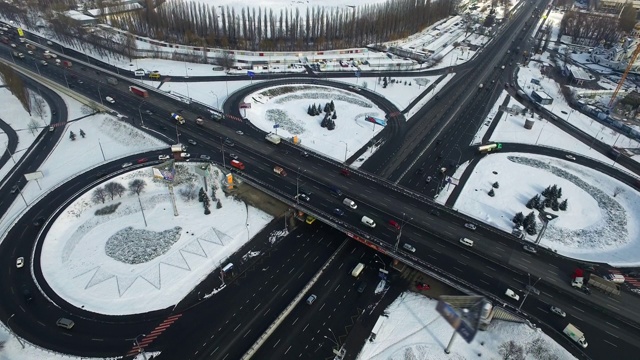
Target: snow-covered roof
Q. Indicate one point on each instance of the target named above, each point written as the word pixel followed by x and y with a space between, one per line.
pixel 542 94
pixel 77 15
pixel 115 9
pixel 578 72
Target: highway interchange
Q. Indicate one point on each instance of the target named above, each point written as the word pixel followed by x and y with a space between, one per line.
pixel 496 262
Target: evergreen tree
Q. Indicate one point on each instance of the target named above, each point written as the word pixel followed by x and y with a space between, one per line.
pixel 546 191
pixel 518 219
pixel 531 229
pixel 554 192
pixel 563 205
pixel 313 110
pixel 82 133
pixel 327 108
pixel 334 116
pixel 491 193
pixel 309 112
pixel 495 185
pixel 219 205
pixel 530 218
pixel 72 136
pixel 332 106
pixel 559 193
pixel 554 204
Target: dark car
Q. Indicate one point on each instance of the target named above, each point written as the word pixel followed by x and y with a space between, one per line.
pixel 228 142
pixel 435 212
pixel 143 160
pixel 338 211
pixel 361 286
pixel 345 172
pixel 39 221
pixel 26 293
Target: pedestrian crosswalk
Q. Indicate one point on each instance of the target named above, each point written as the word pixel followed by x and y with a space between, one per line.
pixel 144 342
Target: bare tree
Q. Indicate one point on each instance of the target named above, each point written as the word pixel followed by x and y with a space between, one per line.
pixel 510 350
pixel 99 195
pixel 618 190
pixel 136 186
pixel 114 188
pixel 189 192
pixel 37 104
pixel 226 60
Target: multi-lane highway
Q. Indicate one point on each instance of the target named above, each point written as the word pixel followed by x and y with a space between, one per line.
pixel 495 263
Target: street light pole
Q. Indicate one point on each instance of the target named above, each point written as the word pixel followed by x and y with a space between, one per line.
pixel 459 157
pixel 140 113
pixel 140 350
pixel 14 334
pixel 217 102
pixel 335 339
pixel 403 223
pixel 529 289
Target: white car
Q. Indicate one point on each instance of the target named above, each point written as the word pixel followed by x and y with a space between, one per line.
pixel 470 226
pixel 126 164
pixel 163 157
pixel 530 249
pixel 110 99
pixel 19 262
pixel 512 295
pixel 205 157
pixel 233 156
pixel 558 311
pixel 570 157
pixel 239 132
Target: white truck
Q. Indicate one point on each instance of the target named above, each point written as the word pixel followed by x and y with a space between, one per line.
pixel 178 148
pixel 273 138
pixel 575 335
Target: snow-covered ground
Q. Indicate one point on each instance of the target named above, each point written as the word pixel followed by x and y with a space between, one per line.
pixel 287 107
pixel 415 330
pixel 138 260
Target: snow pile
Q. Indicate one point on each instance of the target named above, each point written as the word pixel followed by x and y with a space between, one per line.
pixel 414 330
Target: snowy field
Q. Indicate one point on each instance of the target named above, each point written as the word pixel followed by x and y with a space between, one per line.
pixel 133 260
pixel 287 107
pixel 597 225
pixel 414 330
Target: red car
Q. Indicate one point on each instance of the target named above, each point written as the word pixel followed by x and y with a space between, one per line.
pixel 394 224
pixel 345 172
pixel 143 160
pixel 423 286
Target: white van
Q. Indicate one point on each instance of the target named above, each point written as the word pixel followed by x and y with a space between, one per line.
pixel 139 72
pixel 367 221
pixel 350 203
pixel 466 241
pixel 357 270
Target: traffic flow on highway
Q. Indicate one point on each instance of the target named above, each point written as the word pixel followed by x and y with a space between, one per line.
pixel 365 232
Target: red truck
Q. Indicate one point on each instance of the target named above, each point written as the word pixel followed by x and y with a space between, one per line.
pixel 139 91
pixel 237 164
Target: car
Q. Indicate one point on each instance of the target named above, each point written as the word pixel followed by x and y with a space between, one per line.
pixel 530 249
pixel 435 212
pixel 142 161
pixel 233 156
pixel 15 189
pixel 570 157
pixel 122 117
pixel 148 112
pixel 422 286
pixel 419 171
pixel 80 81
pixel 39 221
pixel 585 289
pixel 30 52
pixel 43 62
pixel 428 179
pixel 164 157
pixel 26 293
pixel 338 212
pixel 185 155
pixel 558 311
pixel 192 142
pixel 394 224
pixel 65 323
pixel 228 142
pixel 127 164
pixel 345 172
pixel 303 197
pixel 361 286
pixel 470 226
pixel 19 262
pixel 408 247
pixel 239 132
pixel 311 299
pixel 110 99
pixel 512 295
pixel 304 154
pixel 205 157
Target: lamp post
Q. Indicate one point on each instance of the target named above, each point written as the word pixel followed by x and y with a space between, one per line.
pixel 298 185
pixel 596 137
pixel 403 223
pixel 459 157
pixel 384 266
pixel 140 350
pixel 346 149
pixel 14 334
pixel 334 340
pixel 100 94
pixel 529 289
pixel 217 102
pixel 140 113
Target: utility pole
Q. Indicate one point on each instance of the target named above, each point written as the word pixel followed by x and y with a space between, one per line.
pixel 529 289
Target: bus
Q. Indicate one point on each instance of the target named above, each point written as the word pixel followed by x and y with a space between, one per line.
pixel 489 147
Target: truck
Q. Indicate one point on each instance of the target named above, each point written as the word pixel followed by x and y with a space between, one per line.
pixel 139 91
pixel 604 284
pixel 199 121
pixel 279 170
pixel 521 94
pixel 67 64
pixel 273 138
pixel 237 164
pixel 178 118
pixel 576 335
pixel 216 116
pixel 577 279
pixel 178 148
pixel 112 80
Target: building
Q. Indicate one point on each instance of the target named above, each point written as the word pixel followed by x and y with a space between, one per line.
pixel 83 19
pixel 541 97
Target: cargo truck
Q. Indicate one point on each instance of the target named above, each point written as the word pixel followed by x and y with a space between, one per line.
pixel 576 335
pixel 139 91
pixel 237 164
pixel 273 138
pixel 178 118
pixel 177 148
pixel 112 81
